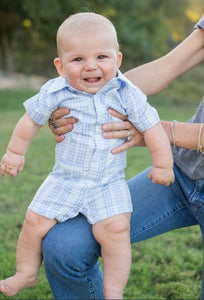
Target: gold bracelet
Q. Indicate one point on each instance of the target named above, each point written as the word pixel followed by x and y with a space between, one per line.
pixel 173 135
pixel 199 147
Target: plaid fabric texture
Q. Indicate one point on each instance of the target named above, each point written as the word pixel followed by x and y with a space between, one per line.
pixel 87 177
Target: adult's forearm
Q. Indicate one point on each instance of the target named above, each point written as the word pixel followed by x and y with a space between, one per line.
pixel 155 76
pixel 186 134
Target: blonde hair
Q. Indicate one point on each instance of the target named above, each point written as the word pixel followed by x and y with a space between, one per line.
pixel 85 22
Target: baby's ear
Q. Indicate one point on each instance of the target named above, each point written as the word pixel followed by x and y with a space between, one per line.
pixel 119 59
pixel 59 66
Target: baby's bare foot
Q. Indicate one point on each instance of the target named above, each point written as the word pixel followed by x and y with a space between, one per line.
pixel 12 285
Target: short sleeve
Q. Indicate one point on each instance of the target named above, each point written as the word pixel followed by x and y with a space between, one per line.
pixel 200 23
pixel 139 111
pixel 41 106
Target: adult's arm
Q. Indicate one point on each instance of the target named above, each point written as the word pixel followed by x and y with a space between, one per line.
pixel 186 134
pixel 155 76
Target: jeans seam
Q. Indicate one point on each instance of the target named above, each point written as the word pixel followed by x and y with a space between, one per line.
pixel 91 286
pixel 193 193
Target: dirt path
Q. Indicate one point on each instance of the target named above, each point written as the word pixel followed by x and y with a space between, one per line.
pixel 21 81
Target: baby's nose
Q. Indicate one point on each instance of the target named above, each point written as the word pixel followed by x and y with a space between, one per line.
pixel 90 64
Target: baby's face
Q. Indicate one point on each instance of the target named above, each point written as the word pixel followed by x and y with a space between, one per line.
pixel 88 62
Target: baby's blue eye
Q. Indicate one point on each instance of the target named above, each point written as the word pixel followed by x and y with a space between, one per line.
pixel 101 56
pixel 78 59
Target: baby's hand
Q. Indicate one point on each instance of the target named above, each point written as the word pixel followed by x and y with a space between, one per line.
pixel 11 164
pixel 161 176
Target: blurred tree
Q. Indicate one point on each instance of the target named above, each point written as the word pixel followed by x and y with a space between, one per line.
pixel 10 21
pixel 146 29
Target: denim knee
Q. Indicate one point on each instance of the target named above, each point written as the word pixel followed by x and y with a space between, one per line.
pixel 71 247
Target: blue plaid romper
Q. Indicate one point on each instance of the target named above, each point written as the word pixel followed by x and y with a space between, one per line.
pixel 87 178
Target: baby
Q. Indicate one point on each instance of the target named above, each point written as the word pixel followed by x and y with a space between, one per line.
pixel 87 178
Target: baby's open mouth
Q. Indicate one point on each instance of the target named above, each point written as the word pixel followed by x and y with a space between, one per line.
pixel 93 79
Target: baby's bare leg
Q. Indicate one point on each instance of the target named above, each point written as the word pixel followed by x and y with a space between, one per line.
pixel 114 236
pixel 28 256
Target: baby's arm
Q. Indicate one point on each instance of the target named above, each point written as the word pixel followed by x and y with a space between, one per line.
pixel 13 160
pixel 160 150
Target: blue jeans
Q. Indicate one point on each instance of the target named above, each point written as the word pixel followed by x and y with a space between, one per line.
pixel 71 253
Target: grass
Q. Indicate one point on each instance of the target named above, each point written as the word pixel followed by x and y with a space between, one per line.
pixel 165 267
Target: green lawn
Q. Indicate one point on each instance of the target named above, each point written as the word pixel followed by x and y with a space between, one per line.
pixel 165 267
